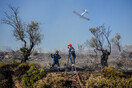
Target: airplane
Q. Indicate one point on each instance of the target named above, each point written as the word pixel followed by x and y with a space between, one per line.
pixel 82 15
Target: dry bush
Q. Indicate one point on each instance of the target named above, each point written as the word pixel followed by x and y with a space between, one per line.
pixel 50 82
pixel 97 82
pixel 111 72
pixel 4 84
pixel 6 75
pixel 101 82
pixel 110 78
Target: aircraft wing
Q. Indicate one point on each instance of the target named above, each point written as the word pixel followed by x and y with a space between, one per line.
pixel 85 18
pixel 76 13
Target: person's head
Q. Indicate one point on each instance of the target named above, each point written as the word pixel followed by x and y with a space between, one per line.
pixel 57 51
pixel 69 45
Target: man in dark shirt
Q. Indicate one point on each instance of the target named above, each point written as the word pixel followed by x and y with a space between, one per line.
pixel 72 56
pixel 56 58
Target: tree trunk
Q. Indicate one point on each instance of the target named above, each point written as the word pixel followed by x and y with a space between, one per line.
pixel 104 58
pixel 24 60
pixel 26 54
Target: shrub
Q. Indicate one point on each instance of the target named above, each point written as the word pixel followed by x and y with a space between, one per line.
pixel 2 64
pixel 54 82
pixel 50 82
pixel 9 64
pixel 40 84
pixel 120 83
pixel 4 84
pixel 5 75
pixel 23 65
pixel 21 69
pixel 101 82
pixel 130 82
pixel 34 73
pixel 13 63
pixel 111 72
pixel 97 82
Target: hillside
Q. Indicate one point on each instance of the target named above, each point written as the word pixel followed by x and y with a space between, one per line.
pixel 32 75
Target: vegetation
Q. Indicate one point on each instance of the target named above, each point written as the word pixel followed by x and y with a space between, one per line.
pixel 116 41
pixel 2 64
pixel 9 64
pixel 25 33
pixel 97 42
pixel 33 72
pixel 101 82
pixel 4 83
pixel 6 74
pixel 110 78
pixel 111 72
pixel 32 75
pixel 27 73
pixel 50 82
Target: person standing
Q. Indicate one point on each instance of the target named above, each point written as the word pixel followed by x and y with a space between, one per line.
pixel 72 56
pixel 56 58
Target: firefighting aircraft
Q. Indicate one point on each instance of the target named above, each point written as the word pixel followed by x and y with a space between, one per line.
pixel 82 15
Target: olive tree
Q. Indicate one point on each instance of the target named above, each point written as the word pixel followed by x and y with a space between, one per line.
pixel 28 34
pixel 101 35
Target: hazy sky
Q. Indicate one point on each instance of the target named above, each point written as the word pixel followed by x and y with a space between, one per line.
pixel 61 27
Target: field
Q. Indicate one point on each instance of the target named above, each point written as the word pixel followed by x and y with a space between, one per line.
pixel 89 71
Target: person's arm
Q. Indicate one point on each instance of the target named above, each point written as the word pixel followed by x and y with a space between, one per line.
pixel 52 56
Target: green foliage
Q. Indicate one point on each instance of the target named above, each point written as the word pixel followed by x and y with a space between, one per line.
pixel 111 78
pixel 31 76
pixel 40 84
pixel 2 64
pixel 28 73
pixel 34 33
pixel 55 82
pixel 120 83
pixel 50 82
pixel 21 69
pixel 23 65
pixel 97 82
pixel 34 73
pixel 101 82
pixel 25 51
pixel 9 64
pixel 13 63
pixel 111 72
pixel 28 34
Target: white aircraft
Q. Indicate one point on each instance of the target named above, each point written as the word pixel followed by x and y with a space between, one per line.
pixel 82 15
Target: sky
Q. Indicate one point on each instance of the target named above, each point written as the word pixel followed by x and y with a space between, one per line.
pixel 60 26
